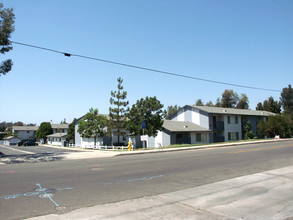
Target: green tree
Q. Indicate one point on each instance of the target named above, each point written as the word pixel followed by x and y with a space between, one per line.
pixel 171 110
pixel 287 100
pixel 243 102
pixel 276 125
pixel 19 123
pixel 44 130
pixel 199 102
pixel 8 131
pixel 209 104
pixel 92 125
pixel 4 125
pixel 270 105
pixel 6 28
pixel 218 103
pixel 71 130
pixel 248 131
pixel 64 121
pixel 229 99
pixel 31 124
pixel 259 106
pixel 148 110
pixel 117 114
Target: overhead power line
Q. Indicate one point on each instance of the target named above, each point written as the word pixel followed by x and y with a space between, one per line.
pixel 144 68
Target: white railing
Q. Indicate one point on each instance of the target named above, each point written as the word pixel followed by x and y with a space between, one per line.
pixel 89 146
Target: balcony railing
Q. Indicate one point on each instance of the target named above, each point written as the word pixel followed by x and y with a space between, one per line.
pixel 218 126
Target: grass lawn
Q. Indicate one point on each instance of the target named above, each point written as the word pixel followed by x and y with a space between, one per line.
pixel 206 144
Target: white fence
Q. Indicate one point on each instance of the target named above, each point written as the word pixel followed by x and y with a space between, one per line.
pixel 122 148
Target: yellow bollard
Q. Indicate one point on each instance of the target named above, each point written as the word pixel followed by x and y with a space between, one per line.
pixel 129 146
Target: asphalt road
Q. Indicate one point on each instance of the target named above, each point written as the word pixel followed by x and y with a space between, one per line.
pixel 32 154
pixel 20 150
pixel 34 189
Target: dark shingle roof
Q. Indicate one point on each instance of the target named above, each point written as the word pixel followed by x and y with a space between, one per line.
pixel 25 128
pixel 57 135
pixel 183 126
pixel 60 126
pixel 233 111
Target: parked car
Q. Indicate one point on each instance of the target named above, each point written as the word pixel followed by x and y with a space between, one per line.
pixel 20 143
pixel 30 143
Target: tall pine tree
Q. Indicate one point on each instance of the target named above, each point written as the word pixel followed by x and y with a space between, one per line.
pixel 287 100
pixel 270 105
pixel 117 113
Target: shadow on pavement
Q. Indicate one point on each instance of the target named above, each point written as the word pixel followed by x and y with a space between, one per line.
pixel 29 158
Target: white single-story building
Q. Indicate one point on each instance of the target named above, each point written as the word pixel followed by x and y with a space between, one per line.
pixel 57 139
pixel 11 140
pixel 178 132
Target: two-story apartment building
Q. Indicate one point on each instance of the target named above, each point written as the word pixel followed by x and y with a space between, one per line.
pixel 25 132
pixel 194 125
pixel 225 124
pixel 108 139
pixel 59 135
pixel 59 128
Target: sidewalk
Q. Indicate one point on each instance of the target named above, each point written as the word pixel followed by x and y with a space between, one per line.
pixel 266 195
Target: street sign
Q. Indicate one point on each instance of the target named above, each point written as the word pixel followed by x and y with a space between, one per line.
pixel 144 138
pixel 143 125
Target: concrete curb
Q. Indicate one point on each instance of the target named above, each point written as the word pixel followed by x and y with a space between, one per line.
pixel 200 147
pixel 67 148
pixel 90 154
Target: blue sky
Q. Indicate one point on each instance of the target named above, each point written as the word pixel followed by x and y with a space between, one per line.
pixel 247 42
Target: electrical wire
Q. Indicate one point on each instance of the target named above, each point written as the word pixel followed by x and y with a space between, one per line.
pixel 145 68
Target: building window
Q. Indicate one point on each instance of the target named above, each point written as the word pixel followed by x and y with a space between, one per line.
pixel 232 120
pixel 233 136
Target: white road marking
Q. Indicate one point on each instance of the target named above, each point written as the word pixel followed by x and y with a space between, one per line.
pixel 22 151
